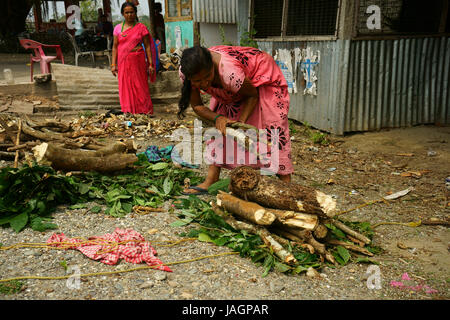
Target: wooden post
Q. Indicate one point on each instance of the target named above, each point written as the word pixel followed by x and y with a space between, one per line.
pixel 444 16
pixel 151 14
pixel 107 9
pixel 37 15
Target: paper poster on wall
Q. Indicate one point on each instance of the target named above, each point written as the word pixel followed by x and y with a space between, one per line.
pixel 308 64
pixel 284 61
pixel 178 44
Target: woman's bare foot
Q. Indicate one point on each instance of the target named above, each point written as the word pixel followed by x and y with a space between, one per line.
pixel 285 177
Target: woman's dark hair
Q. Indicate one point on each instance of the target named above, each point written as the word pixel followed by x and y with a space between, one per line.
pixel 193 60
pixel 128 4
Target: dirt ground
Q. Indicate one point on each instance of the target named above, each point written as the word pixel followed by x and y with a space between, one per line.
pixel 362 167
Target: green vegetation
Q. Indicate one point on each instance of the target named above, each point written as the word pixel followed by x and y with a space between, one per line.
pixel 221 185
pixel 215 230
pixel 225 42
pixel 316 136
pixel 11 287
pixel 247 38
pixel 29 195
pixel 89 10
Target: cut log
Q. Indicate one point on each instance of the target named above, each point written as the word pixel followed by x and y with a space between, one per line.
pixel 7 155
pixel 296 219
pixel 60 126
pixel 265 235
pixel 306 236
pixel 44 136
pixel 8 130
pixel 16 158
pixel 350 246
pixel 84 133
pixel 81 160
pixel 320 232
pixel 249 184
pixel 350 231
pixel 248 210
pixel 25 145
pixel 357 241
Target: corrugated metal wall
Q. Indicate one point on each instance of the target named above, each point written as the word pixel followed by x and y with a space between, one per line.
pixel 215 11
pixel 374 84
pixel 397 83
pixel 323 111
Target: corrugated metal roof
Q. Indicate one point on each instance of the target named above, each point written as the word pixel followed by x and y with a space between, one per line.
pixel 215 11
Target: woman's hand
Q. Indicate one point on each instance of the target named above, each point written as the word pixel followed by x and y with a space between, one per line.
pixel 151 69
pixel 221 124
pixel 114 70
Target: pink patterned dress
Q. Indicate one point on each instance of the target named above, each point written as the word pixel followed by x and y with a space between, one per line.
pixel 271 111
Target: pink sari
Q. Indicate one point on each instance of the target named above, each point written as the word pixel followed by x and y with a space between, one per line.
pixel 133 69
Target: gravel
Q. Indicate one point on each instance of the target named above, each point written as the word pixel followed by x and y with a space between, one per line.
pixel 232 277
pixel 228 277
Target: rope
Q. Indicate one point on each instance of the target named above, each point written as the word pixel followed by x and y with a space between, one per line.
pixel 412 224
pixel 368 203
pixel 119 271
pixel 69 245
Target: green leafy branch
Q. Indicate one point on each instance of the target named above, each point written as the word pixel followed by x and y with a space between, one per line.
pixel 213 228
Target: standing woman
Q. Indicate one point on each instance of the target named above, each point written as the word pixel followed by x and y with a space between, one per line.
pixel 245 85
pixel 133 61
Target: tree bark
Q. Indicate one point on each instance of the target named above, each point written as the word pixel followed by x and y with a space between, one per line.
pixel 16 158
pixel 247 210
pixel 24 145
pixel 265 235
pixel 248 184
pixel 351 247
pixel 296 219
pixel 351 232
pixel 44 136
pixel 8 130
pixel 320 232
pixel 82 160
pixel 306 236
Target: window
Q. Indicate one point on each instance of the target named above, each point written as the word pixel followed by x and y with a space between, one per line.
pixel 291 18
pixel 405 17
pixel 178 10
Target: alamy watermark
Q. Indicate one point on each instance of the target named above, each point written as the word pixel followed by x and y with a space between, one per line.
pixel 374 21
pixel 74 20
pixel 374 277
pixel 73 282
pixel 251 147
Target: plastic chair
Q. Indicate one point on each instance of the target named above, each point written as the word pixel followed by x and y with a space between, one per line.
pixel 40 56
pixel 77 50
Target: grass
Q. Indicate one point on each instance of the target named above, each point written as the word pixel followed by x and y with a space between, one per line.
pixel 87 114
pixel 316 136
pixel 11 287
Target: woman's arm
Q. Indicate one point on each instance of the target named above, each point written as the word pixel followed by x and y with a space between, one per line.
pixel 114 56
pixel 250 92
pixel 148 51
pixel 206 113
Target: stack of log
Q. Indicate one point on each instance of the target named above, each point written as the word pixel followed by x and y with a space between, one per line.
pixel 64 146
pixel 282 213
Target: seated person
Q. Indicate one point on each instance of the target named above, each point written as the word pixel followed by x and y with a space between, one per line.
pixel 81 37
pixel 105 30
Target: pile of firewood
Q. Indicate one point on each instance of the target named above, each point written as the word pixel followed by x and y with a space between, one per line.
pixel 91 142
pixel 281 212
pixel 63 145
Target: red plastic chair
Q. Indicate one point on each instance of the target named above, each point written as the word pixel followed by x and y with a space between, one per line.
pixel 40 56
